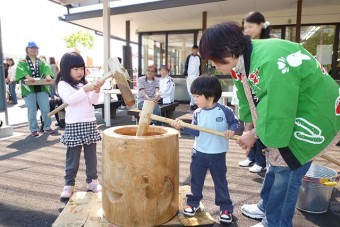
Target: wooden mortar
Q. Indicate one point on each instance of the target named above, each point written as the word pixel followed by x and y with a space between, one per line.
pixel 140 176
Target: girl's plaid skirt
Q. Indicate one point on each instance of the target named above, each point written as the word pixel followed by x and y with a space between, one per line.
pixel 80 133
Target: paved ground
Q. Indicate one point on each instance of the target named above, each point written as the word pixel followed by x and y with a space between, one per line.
pixel 32 170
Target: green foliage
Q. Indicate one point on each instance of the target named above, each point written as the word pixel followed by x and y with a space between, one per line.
pixel 79 38
pixel 320 37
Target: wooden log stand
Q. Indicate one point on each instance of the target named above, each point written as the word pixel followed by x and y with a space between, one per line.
pixel 140 176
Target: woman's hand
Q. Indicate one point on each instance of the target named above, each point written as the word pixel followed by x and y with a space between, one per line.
pixel 155 100
pixel 29 78
pixel 48 78
pixel 177 124
pixel 247 140
pixel 228 134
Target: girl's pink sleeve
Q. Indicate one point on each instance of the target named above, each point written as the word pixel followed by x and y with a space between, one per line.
pixel 68 95
pixel 93 97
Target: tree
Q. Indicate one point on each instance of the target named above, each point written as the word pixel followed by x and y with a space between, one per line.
pixel 79 38
pixel 325 36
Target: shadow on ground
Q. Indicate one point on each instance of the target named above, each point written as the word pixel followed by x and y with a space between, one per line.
pixel 15 216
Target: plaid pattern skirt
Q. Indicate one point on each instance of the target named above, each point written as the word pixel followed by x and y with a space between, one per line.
pixel 80 133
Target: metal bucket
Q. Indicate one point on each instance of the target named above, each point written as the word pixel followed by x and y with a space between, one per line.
pixel 316 189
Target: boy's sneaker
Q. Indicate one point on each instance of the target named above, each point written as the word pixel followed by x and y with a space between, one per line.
pixel 190 211
pixel 246 163
pixel 252 211
pixel 225 217
pixel 67 192
pixel 94 186
pixel 257 169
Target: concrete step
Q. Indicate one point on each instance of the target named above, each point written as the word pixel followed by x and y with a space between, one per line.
pixel 6 131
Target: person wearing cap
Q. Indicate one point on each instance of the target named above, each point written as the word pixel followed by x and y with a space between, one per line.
pixel 192 70
pixel 166 86
pixel 31 68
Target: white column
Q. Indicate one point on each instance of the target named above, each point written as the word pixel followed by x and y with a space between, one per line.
pixel 107 48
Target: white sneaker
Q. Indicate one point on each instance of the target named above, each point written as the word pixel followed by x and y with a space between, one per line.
pixel 245 163
pixel 94 186
pixel 67 192
pixel 257 169
pixel 258 225
pixel 252 211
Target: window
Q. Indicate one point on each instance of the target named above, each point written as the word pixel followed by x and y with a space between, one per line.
pixel 166 48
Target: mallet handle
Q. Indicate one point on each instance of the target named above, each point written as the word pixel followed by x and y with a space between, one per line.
pixel 330 159
pixel 64 105
pixel 191 126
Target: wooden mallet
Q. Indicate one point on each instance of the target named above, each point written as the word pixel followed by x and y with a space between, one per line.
pixel 118 72
pixel 146 116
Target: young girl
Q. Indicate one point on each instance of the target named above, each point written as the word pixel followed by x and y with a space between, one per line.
pixel 81 128
pixel 209 151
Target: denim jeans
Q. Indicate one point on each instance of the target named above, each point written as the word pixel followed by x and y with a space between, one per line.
pixel 31 101
pixel 279 194
pixel 12 91
pixel 156 111
pixel 216 163
pixel 257 155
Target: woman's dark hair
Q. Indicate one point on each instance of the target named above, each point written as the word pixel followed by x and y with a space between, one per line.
pixel 68 61
pixel 207 85
pixel 52 60
pixel 258 18
pixel 11 59
pixel 221 41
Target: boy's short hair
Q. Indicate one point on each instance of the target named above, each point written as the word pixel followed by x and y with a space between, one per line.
pixel 194 47
pixel 207 85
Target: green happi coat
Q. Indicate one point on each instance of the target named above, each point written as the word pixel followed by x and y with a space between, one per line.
pixel 298 102
pixel 23 70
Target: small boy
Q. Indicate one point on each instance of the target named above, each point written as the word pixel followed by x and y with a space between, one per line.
pixel 209 151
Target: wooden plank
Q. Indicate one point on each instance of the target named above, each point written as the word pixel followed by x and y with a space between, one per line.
pixel 77 210
pixel 202 218
pixel 40 82
pixel 85 209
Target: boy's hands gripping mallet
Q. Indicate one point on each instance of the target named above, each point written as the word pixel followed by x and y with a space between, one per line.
pixel 118 71
pixel 146 116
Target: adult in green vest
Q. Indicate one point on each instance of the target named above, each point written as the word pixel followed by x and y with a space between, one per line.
pixel 296 116
pixel 32 68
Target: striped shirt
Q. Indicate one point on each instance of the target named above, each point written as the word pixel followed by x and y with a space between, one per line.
pixel 149 86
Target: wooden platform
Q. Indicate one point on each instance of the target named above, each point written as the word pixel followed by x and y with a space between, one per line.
pixel 85 209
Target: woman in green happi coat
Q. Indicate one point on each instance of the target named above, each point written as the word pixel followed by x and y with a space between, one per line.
pixel 32 68
pixel 293 102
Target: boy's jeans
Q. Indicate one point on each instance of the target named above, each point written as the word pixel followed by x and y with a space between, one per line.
pixel 216 163
pixel 31 101
pixel 279 194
